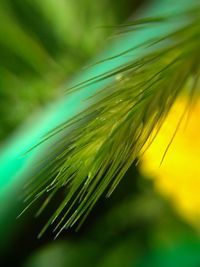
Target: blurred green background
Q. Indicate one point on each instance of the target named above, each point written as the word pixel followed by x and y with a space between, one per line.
pixel 42 45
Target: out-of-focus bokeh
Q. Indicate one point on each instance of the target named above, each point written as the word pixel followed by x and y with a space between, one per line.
pixel 146 222
pixel 177 177
pixel 42 44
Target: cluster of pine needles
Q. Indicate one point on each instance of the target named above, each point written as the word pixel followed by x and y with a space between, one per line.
pixel 99 145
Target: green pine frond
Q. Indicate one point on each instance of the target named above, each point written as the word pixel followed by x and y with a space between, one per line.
pixel 98 146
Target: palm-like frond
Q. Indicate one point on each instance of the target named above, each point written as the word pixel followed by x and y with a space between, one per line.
pixel 97 147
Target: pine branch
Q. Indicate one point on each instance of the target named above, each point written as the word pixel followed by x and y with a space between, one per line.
pixel 98 146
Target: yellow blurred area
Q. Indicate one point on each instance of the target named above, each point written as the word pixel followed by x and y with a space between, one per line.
pixel 178 177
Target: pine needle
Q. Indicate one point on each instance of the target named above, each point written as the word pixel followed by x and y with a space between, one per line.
pixel 99 145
